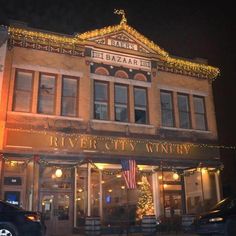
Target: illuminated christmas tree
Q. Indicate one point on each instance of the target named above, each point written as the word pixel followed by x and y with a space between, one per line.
pixel 145 204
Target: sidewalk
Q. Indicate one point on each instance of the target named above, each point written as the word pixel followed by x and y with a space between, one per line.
pixel 140 234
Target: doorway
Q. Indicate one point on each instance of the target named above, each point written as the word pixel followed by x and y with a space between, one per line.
pixel 57 200
pixel 57 212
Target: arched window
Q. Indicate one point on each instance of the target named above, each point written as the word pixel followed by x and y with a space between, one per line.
pixel 121 74
pixel 140 76
pixel 101 71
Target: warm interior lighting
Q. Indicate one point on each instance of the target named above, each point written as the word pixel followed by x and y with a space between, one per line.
pixel 204 170
pixel 160 177
pixel 80 190
pixel 109 190
pixel 118 176
pixel 122 187
pixel 58 173
pixel 175 176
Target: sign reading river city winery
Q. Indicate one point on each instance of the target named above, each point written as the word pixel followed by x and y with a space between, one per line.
pixel 77 143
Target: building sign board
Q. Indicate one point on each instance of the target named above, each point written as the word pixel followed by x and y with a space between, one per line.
pixel 78 143
pixel 122 44
pixel 120 59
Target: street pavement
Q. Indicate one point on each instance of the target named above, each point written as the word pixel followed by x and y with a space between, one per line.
pixel 140 234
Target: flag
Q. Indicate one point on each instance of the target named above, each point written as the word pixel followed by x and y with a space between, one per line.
pixel 129 173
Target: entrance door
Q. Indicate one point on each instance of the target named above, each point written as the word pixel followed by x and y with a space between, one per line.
pixel 57 211
pixel 173 203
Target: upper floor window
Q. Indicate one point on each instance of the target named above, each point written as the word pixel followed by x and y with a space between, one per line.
pixel 23 91
pixel 184 111
pixel 140 105
pixel 100 100
pixel 69 96
pixel 46 98
pixel 167 111
pixel 121 103
pixel 200 114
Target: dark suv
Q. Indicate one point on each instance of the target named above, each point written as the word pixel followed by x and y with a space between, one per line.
pixel 220 220
pixel 15 221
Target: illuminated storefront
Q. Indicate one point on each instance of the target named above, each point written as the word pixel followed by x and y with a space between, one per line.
pixel 74 107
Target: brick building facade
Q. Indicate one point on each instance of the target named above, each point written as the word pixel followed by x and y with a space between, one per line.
pixel 73 107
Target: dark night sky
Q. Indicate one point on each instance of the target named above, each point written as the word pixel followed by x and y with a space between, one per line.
pixel 183 28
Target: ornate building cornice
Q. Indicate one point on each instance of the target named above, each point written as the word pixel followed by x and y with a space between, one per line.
pixel 73 45
pixel 45 41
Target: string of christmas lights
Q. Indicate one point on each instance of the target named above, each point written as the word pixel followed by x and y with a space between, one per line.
pixel 140 172
pixel 135 140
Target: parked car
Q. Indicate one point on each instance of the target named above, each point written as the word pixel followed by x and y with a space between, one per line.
pixel 220 220
pixel 15 221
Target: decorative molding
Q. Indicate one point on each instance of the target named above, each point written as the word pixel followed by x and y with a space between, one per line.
pixel 45 42
pixel 48 70
pixel 36 115
pixel 182 90
pixel 74 46
pixel 120 80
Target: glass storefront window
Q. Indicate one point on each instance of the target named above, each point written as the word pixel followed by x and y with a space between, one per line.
pixel 49 180
pixel 200 189
pixel 114 199
pixel 14 166
pixel 95 192
pixel 81 195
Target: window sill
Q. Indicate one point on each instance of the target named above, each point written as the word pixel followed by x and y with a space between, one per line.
pixel 43 115
pixel 188 130
pixel 122 123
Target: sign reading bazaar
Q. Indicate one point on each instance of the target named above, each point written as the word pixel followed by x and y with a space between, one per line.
pixel 115 58
pixel 76 143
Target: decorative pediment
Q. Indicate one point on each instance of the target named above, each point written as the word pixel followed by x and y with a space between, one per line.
pixel 122 36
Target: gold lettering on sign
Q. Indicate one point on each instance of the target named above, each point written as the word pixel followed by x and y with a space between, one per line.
pixel 53 141
pixel 133 145
pixel 187 148
pixel 93 144
pixel 119 145
pixel 164 148
pixel 107 146
pixel 149 147
pixel 168 148
pixel 72 142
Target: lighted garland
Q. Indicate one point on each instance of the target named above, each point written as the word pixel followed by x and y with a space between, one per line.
pixel 161 167
pixel 104 138
pixel 204 70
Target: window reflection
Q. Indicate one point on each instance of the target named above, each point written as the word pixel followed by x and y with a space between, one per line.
pixel 81 196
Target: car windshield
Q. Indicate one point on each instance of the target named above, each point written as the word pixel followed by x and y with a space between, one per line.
pixel 225 203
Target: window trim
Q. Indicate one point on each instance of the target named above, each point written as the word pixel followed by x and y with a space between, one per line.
pixel 146 107
pixel 172 110
pixel 17 70
pixel 127 105
pixel 77 79
pixel 204 114
pixel 55 94
pixel 188 112
pixel 102 102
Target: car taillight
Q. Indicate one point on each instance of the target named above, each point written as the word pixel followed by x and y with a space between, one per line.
pixel 33 217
